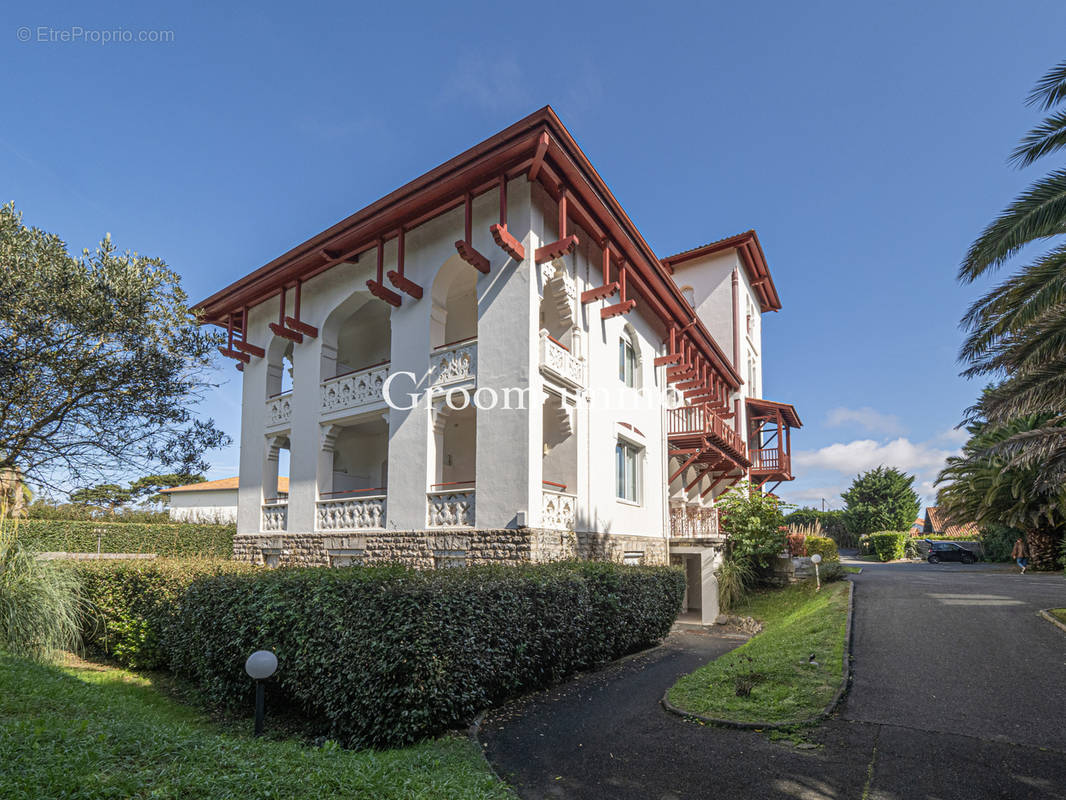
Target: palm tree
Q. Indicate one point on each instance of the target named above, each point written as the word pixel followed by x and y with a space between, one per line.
pixel 985 487
pixel 1018 329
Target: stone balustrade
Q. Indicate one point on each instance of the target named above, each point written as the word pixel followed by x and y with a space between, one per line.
pixel 354 390
pixel 450 509
pixel 454 363
pixel 558 510
pixel 275 517
pixel 557 360
pixel 351 513
pixel 279 410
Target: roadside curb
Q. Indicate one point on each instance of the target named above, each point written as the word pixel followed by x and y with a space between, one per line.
pixel 472 733
pixel 1046 614
pixel 845 686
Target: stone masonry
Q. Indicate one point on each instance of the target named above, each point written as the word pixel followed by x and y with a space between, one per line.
pixel 432 549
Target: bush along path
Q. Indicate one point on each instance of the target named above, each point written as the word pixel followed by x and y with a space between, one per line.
pixel 793 673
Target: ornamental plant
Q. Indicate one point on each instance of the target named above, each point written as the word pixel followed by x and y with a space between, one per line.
pixel 754 525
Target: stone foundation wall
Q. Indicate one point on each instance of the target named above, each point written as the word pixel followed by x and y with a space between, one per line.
pixel 432 549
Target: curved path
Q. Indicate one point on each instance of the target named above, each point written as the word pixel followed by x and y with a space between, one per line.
pixel 958 693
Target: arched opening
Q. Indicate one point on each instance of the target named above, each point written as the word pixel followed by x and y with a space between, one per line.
pixel 453 467
pixel 279 367
pixel 275 487
pixel 454 312
pixel 353 475
pixel 356 335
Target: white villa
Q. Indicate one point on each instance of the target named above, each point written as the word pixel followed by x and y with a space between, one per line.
pixel 475 368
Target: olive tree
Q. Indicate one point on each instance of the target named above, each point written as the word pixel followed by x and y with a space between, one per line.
pixel 101 363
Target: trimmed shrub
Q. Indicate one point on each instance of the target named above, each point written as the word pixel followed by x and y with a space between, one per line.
pixel 165 539
pixel 388 655
pixel 889 545
pixel 130 606
pixel 796 544
pixel 823 546
pixel 831 522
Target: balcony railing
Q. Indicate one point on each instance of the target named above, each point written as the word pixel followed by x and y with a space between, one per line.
pixel 454 362
pixel 694 523
pixel 557 359
pixel 558 510
pixel 351 511
pixel 770 459
pixel 275 515
pixel 279 410
pixel 450 507
pixel 354 390
pixel 701 420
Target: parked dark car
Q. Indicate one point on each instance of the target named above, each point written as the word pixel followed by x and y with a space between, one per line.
pixel 949 551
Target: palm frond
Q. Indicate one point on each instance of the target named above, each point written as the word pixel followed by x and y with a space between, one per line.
pixel 1040 212
pixel 1050 90
pixel 1047 137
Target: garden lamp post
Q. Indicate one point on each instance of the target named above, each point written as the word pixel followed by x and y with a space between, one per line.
pixel 260 665
pixel 816 559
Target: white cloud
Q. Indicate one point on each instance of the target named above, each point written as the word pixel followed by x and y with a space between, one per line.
pixel 866 417
pixel 863 454
pixel 847 459
pixel 955 436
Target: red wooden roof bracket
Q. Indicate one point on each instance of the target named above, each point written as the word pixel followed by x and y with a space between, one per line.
pixel 464 247
pixel 280 328
pixel 294 321
pixel 500 234
pixel 376 287
pixel 685 466
pixel 673 355
pixel 228 351
pixel 396 276
pixel 623 307
pixel 609 287
pixel 564 245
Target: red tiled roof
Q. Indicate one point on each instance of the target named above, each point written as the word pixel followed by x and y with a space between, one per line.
pixel 222 484
pixel 935 519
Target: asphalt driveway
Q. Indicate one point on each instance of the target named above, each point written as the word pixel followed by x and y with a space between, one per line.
pixel 959 692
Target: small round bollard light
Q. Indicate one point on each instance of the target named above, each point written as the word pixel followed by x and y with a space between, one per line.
pixel 816 560
pixel 261 664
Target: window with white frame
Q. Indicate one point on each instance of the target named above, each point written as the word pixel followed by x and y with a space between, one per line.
pixel 627 361
pixel 627 471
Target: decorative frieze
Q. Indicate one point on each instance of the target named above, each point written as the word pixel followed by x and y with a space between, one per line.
pixel 558 510
pixel 275 516
pixel 450 509
pixel 350 514
pixel 454 363
pixel 354 390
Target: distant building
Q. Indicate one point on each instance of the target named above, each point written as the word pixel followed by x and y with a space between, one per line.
pixel 918 526
pixel 210 501
pixel 936 524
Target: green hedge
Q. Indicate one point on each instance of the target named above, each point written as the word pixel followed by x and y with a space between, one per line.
pixel 823 546
pixel 164 539
pixel 131 605
pixel 889 545
pixel 383 655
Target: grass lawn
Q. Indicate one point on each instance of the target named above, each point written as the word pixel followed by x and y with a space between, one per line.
pixel 774 667
pixel 852 570
pixel 94 732
pixel 1058 613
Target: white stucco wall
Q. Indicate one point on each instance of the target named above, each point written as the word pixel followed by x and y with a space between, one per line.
pixel 219 505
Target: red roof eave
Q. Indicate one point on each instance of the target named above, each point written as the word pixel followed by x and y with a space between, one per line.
pixel 477 169
pixel 753 258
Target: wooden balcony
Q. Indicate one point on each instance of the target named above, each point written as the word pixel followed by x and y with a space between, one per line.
pixel 693 425
pixel 773 463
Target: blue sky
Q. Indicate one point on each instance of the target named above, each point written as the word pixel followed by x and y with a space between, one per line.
pixel 866 143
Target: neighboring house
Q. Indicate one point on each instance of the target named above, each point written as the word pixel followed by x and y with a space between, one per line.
pixel 935 523
pixel 918 526
pixel 210 501
pixel 510 275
